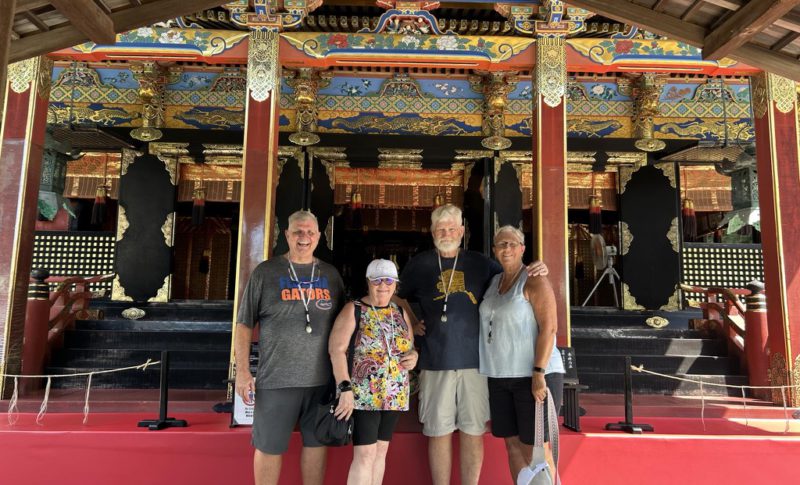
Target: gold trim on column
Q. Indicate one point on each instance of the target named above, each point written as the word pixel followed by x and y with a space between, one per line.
pixel 760 98
pixel 118 291
pixel 782 92
pixel 21 75
pixel 167 229
pixel 672 235
pixel 162 295
pixel 263 67
pixel 122 222
pixel 778 375
pixel 551 69
pixel 44 72
pixel 628 300
pixel 795 382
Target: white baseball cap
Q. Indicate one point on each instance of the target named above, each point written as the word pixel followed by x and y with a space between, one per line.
pixel 381 268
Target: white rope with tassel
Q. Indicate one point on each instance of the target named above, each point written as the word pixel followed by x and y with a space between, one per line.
pixel 640 368
pixel 13 410
pixel 86 400
pixel 43 408
pixel 13 403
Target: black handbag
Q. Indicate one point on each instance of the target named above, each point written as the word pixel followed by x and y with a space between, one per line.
pixel 329 430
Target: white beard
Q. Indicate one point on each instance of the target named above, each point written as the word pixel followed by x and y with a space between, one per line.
pixel 447 247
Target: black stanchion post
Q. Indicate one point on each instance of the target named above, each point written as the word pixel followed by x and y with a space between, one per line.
pixel 628 425
pixel 163 421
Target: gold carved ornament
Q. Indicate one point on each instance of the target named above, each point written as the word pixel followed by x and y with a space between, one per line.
pixel 118 291
pixel 672 235
pixel 122 222
pixel 551 69
pixel 263 68
pixel 162 295
pixel 674 302
pixel 768 88
pixel 626 237
pixel 628 300
pixel 167 229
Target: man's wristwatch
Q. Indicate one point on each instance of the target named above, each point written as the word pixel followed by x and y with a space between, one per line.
pixel 344 386
pixel 538 370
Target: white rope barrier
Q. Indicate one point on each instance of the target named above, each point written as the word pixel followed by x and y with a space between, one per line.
pixel 13 403
pixel 701 383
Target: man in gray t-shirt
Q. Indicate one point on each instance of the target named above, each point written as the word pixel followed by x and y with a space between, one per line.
pixel 295 298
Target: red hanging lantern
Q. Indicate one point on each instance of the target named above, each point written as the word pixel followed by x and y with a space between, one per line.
pixel 99 207
pixel 689 220
pixel 198 206
pixel 595 215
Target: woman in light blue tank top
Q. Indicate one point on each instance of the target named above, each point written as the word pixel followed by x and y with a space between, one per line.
pixel 518 348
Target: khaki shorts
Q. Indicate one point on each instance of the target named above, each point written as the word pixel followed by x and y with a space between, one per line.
pixel 452 400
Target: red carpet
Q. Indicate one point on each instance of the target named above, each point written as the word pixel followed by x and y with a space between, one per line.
pixel 110 449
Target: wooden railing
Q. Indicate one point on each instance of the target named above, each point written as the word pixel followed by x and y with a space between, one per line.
pixel 69 302
pixel 743 327
pixel 49 314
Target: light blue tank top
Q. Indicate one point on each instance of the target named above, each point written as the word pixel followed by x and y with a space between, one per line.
pixel 514 332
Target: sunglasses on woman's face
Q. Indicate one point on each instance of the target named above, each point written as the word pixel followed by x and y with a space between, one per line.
pixel 386 281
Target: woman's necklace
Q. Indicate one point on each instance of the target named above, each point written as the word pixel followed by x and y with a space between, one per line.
pixel 446 289
pixel 379 320
pixel 494 303
pixel 305 293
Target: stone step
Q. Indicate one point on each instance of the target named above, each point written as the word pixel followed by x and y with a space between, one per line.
pixel 613 383
pixel 647 346
pixel 115 358
pixel 124 339
pixel 700 364
pixel 155 325
pixel 198 378
pixel 637 331
pixel 612 317
pixel 175 311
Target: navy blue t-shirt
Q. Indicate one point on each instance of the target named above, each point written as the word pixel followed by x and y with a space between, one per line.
pixel 453 344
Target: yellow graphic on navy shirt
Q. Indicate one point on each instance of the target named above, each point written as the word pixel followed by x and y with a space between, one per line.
pixel 459 285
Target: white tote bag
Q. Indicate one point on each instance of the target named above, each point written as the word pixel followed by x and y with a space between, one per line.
pixel 538 472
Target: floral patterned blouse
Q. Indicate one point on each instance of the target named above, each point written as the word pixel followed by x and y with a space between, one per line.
pixel 379 383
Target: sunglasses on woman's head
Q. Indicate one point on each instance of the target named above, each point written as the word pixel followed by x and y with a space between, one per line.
pixel 388 281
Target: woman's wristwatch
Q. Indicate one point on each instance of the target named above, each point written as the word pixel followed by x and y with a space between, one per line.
pixel 344 386
pixel 538 370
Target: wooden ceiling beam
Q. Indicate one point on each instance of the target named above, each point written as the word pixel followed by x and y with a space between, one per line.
pixel 745 24
pixel 124 20
pixel 23 5
pixel 785 40
pixel 697 5
pixel 36 21
pixel 677 29
pixel 89 18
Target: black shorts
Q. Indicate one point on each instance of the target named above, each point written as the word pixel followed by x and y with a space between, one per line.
pixel 276 413
pixel 371 426
pixel 511 406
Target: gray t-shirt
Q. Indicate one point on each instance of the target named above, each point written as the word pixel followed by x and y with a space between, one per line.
pixel 288 355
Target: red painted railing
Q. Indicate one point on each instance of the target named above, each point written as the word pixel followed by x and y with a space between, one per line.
pixel 49 314
pixel 744 327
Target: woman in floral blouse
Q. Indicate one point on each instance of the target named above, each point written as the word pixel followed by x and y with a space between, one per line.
pixel 376 388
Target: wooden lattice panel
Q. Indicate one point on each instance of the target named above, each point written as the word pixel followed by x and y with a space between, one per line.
pixel 72 253
pixel 723 265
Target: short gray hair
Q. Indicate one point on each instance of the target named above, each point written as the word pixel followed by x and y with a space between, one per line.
pixel 446 212
pixel 301 215
pixel 513 230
